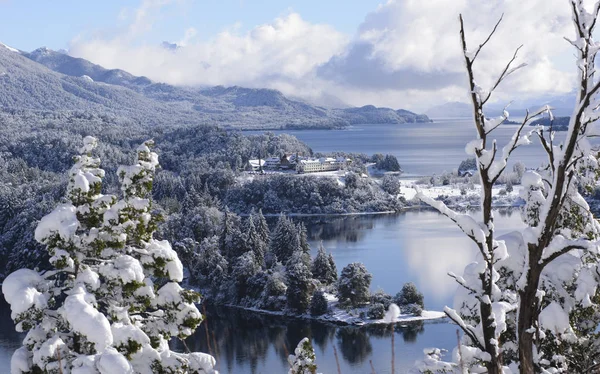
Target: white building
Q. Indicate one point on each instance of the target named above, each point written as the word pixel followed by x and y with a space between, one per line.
pixel 255 165
pixel 272 163
pixel 322 164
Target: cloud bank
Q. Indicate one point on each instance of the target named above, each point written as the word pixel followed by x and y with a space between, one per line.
pixel 404 54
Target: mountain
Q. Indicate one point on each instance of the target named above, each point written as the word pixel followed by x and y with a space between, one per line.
pixel 46 80
pixel 372 114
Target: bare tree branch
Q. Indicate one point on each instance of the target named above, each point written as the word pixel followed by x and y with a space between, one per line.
pixel 488 38
pixel 505 73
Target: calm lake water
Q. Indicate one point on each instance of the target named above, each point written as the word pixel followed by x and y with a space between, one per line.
pixel 415 246
pixel 421 148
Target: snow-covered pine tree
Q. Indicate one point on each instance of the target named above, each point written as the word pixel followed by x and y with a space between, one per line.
pixel 254 241
pixel 232 240
pixel 112 301
pixel 262 227
pixel 284 239
pixel 303 238
pixel 322 268
pixel 299 282
pixel 303 359
pixel 353 284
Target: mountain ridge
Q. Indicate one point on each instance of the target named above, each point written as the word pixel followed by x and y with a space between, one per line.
pixel 62 82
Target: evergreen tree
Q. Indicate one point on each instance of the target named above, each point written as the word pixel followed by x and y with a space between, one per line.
pixel 244 268
pixel 262 227
pixel 113 300
pixel 303 238
pixel 303 359
pixel 285 239
pixel 323 267
pixel 231 240
pixel 354 283
pixel 212 267
pixel 299 280
pixel 254 241
pixel 318 303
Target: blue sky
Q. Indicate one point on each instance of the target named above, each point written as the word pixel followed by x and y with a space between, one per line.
pixel 394 53
pixel 29 24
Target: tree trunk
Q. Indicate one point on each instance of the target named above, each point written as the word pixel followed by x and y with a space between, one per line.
pixel 528 312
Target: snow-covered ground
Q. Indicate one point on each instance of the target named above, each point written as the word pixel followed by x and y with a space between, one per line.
pixel 353 316
pixel 409 188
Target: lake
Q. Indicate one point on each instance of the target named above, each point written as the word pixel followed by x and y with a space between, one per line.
pixel 414 246
pixel 421 148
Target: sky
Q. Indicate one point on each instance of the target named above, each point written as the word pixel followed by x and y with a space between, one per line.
pixel 394 53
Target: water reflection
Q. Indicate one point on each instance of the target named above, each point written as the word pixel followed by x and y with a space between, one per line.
pixel 246 342
pixel 415 246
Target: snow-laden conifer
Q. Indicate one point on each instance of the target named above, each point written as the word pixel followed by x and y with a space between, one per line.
pixel 303 359
pixel 299 282
pixel 323 267
pixel 112 301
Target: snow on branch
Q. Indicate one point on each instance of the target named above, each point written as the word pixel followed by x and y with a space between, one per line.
pixel 467 329
pixel 517 140
pixel 561 245
pixel 465 222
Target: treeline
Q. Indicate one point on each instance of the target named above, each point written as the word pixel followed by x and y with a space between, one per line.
pixel 199 176
pixel 241 261
pixel 312 195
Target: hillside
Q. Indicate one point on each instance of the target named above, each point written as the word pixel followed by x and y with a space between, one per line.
pixel 46 80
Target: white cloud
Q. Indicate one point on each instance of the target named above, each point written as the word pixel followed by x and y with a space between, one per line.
pixel 404 54
pixel 287 48
pixel 415 45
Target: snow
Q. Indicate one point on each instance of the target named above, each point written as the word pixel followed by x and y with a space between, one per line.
pixel 112 362
pixel 87 320
pixel 162 249
pixel 45 356
pixel 89 144
pixel 62 221
pixel 9 48
pixel 20 292
pixel 201 362
pixel 122 333
pixel 554 318
pixel 20 362
pixel 408 191
pixel 586 287
pixel 124 268
pixel 392 314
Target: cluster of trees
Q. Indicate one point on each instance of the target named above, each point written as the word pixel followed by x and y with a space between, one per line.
pixel 387 162
pixel 312 194
pixel 111 300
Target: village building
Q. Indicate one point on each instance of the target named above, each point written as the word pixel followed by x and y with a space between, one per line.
pixel 256 165
pixel 322 164
pixel 272 163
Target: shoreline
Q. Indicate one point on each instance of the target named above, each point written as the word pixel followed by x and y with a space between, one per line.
pixel 330 318
pixel 386 212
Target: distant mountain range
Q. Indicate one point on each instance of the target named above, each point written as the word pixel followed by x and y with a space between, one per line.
pixel 46 80
pixel 561 106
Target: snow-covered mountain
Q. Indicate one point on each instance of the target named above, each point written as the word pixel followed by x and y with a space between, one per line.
pixel 68 83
